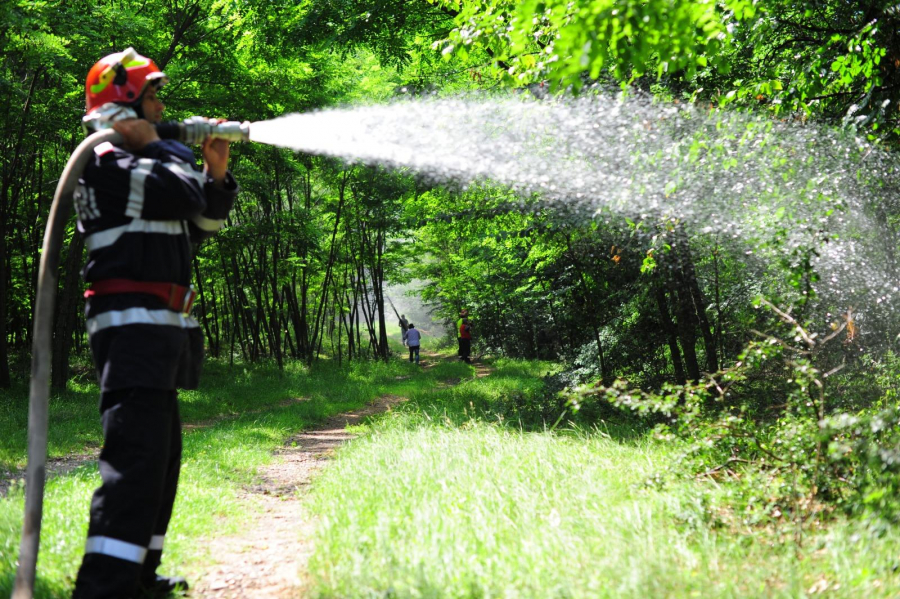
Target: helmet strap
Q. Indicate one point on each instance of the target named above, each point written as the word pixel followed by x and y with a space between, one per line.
pixel 138 104
pixel 139 107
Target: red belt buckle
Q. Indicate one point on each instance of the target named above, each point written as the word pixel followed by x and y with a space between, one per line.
pixel 189 297
pixel 174 298
pixel 181 298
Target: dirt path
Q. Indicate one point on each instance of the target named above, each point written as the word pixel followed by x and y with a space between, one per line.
pixel 267 560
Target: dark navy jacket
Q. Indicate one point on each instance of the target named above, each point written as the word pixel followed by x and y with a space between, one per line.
pixel 140 213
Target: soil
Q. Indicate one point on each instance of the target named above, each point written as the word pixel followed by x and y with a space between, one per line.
pixel 267 559
pixel 55 467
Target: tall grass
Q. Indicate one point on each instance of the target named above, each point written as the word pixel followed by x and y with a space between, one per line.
pixel 445 499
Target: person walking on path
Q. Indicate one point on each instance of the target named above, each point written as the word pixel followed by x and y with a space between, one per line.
pixel 413 339
pixel 465 340
pixel 141 205
pixel 404 326
pixel 463 314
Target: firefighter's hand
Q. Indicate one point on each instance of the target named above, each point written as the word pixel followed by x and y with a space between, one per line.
pixel 136 133
pixel 215 158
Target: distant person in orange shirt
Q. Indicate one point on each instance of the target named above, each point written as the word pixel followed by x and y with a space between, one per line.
pixel 462 315
pixel 465 340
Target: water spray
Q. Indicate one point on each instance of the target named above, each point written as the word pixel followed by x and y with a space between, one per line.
pixel 194 130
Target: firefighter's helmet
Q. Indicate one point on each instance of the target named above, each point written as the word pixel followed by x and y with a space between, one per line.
pixel 121 78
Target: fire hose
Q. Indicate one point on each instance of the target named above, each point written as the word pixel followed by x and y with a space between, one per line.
pixel 191 131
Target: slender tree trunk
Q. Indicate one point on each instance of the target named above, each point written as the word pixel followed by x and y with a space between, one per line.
pixel 275 312
pixel 669 330
pixel 204 309
pixel 588 300
pixel 378 285
pixel 604 376
pixel 368 311
pixel 238 326
pixel 686 325
pixel 304 312
pixel 698 300
pixel 67 313
pixel 718 334
pixel 5 216
pixel 320 311
pixel 294 314
pixel 216 326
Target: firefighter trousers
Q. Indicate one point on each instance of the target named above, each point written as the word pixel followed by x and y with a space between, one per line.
pixel 139 465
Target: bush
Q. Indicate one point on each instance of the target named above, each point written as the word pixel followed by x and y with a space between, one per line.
pixel 777 422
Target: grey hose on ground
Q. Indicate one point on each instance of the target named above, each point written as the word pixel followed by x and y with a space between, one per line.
pixel 60 212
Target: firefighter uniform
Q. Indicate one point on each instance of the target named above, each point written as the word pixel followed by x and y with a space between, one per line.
pixel 140 213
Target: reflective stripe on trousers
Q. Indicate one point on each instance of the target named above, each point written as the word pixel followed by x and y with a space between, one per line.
pixel 130 512
pixel 122 550
pixel 116 548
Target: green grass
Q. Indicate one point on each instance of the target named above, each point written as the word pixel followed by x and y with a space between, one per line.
pixel 444 499
pixel 456 493
pixel 247 416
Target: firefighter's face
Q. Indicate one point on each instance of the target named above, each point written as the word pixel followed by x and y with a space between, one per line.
pixel 152 106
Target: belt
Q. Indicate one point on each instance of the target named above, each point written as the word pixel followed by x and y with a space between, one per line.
pixel 177 297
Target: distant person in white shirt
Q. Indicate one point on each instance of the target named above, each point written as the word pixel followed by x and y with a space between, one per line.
pixel 413 338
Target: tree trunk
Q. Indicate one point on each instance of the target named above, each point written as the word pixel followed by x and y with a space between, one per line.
pixel 67 313
pixel 5 215
pixel 204 309
pixel 604 376
pixel 671 335
pixel 698 300
pixel 320 309
pixel 378 286
pixel 685 324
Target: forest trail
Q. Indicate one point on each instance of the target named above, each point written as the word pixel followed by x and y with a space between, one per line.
pixel 267 559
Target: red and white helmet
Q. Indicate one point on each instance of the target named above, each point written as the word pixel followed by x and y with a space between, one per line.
pixel 121 78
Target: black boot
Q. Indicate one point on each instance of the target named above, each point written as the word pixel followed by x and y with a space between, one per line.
pixel 162 586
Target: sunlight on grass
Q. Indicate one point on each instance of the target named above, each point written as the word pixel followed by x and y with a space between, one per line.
pixel 463 491
pixel 444 499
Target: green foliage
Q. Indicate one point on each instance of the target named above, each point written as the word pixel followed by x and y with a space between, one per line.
pixel 863 449
pixel 817 58
pixel 829 59
pixel 775 421
pixel 565 40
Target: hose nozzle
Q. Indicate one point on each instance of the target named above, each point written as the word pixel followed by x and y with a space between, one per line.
pixel 196 129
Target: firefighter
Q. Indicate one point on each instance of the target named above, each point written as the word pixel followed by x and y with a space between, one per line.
pixel 141 205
